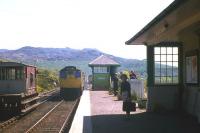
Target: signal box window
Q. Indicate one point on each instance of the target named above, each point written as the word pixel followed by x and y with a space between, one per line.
pixel 166 65
pixel 101 70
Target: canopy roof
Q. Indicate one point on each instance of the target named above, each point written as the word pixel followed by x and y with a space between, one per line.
pixel 138 38
pixel 103 61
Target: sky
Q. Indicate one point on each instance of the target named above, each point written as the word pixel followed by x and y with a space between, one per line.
pixel 102 24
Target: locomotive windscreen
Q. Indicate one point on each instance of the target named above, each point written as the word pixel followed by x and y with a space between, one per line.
pixel 70 72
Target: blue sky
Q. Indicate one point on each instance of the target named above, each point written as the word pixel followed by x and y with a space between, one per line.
pixel 101 24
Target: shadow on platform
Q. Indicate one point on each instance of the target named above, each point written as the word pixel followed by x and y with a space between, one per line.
pixel 141 123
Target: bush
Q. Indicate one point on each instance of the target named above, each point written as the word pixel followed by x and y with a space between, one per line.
pixel 134 96
pixel 142 103
pixel 39 89
pixel 46 80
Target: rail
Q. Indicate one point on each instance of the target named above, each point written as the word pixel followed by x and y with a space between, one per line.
pixel 36 124
pixel 69 118
pixel 60 109
pixel 14 119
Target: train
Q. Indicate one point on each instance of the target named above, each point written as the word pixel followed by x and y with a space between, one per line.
pixel 72 82
pixel 18 93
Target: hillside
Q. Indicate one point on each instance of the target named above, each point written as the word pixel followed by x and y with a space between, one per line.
pixel 57 58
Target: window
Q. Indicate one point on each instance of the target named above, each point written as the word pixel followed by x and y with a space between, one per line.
pixel 31 79
pixel 1 74
pixel 19 73
pixel 100 70
pixel 11 73
pixel 166 65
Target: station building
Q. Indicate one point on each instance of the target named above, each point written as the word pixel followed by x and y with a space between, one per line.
pixel 173 64
pixel 103 68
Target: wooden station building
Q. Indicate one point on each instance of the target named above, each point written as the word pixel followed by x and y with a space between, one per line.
pixel 103 68
pixel 173 64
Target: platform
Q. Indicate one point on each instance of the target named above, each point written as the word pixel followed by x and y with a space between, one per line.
pixel 99 112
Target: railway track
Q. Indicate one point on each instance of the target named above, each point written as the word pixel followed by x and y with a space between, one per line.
pixel 44 104
pixel 57 120
pixel 52 116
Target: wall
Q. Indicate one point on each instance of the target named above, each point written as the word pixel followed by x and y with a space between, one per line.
pixel 191 97
pixel 31 88
pixel 162 97
pixel 12 86
pixel 101 80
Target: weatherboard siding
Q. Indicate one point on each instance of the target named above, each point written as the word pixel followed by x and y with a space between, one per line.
pixel 101 80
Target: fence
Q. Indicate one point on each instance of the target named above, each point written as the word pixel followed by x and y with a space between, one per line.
pixel 137 86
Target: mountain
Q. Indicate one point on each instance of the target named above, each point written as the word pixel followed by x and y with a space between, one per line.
pixel 57 58
pixel 3 50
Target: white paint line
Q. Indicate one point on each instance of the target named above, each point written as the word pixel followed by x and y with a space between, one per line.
pixel 82 121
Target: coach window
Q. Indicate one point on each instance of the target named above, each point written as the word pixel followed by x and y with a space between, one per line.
pixel 19 73
pixel 3 73
pixel 0 73
pixel 3 70
pixel 10 73
pixel 166 65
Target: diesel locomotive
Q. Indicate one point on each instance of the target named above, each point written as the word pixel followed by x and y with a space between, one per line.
pixel 71 82
pixel 17 87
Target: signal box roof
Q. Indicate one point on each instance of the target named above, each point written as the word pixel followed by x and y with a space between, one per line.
pixel 103 61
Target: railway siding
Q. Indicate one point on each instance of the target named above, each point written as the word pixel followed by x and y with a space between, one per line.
pixel 9 120
pixel 25 122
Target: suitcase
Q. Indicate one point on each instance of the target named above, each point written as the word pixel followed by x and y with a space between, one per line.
pixel 129 106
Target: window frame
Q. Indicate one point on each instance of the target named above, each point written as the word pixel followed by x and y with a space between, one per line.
pixel 11 73
pixel 166 62
pixel 101 69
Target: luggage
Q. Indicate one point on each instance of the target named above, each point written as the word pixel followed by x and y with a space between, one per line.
pixel 129 106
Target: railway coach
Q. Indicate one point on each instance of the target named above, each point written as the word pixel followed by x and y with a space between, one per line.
pixel 71 82
pixel 17 87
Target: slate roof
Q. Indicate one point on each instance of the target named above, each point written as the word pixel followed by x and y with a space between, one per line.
pixel 103 61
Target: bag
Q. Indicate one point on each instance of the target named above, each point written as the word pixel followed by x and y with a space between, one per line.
pixel 129 106
pixel 133 106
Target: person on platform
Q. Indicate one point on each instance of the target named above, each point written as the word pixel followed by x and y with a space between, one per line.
pixel 132 75
pixel 126 95
pixel 115 84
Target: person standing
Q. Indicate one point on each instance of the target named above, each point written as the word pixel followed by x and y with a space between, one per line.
pixel 115 84
pixel 132 75
pixel 126 94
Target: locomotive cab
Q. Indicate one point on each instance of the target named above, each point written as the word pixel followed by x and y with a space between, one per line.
pixel 71 82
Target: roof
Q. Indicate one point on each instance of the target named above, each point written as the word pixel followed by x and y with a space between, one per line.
pixel 103 61
pixel 174 5
pixel 11 64
pixel 69 67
